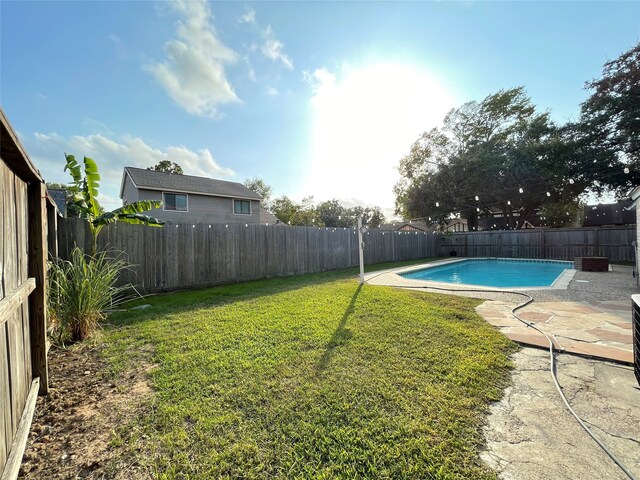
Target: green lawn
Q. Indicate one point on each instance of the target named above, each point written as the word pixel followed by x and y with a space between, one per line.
pixel 311 377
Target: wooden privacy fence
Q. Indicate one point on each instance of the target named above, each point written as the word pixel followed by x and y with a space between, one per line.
pixel 23 250
pixel 560 244
pixel 185 255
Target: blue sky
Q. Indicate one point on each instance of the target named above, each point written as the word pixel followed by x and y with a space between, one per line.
pixel 316 98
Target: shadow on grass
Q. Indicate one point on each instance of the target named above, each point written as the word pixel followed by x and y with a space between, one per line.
pixel 341 335
pixel 180 301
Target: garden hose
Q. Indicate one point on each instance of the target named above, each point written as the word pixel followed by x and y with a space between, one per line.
pixel 528 301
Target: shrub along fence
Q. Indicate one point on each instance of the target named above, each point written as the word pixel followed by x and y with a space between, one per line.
pixel 559 244
pixel 184 255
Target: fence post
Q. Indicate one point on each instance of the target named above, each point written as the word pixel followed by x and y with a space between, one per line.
pixel 596 252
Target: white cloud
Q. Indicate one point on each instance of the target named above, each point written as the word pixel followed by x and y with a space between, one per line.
pixel 272 48
pixel 193 72
pixel 113 155
pixel 273 91
pixel 364 120
pixel 249 16
pixel 320 80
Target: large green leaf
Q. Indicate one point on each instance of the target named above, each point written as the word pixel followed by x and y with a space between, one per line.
pixel 139 206
pixel 92 184
pixel 134 218
pixel 131 213
pixel 74 169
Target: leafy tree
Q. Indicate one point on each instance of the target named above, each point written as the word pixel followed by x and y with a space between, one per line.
pixel 562 214
pixel 167 166
pixel 332 214
pixel 499 154
pixel 294 213
pixel 609 126
pixel 86 186
pixel 260 187
pixel 371 216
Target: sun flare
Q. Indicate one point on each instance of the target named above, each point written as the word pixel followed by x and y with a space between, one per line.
pixel 364 123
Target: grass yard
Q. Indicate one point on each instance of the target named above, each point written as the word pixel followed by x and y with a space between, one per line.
pixel 311 377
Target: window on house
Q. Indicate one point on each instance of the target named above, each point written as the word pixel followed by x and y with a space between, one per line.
pixel 175 201
pixel 242 207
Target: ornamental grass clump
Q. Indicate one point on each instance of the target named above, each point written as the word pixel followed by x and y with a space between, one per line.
pixel 81 293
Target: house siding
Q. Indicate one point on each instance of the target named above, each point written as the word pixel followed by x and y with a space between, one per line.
pixel 129 191
pixel 201 209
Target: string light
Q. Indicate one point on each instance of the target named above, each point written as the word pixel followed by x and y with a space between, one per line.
pixel 548 194
pixel 571 181
pixel 626 169
pixel 508 202
pixel 477 198
pixel 437 204
pixel 521 190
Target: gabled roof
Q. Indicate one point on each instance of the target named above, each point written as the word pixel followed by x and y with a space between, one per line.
pixel 398 226
pixel 152 180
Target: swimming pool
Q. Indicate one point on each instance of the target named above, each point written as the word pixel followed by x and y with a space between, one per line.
pixel 494 272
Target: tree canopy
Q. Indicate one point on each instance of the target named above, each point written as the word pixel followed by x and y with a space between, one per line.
pixel 330 213
pixel 497 154
pixel 260 187
pixel 503 156
pixel 167 166
pixel 609 125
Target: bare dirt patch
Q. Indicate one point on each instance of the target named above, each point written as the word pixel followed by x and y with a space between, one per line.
pixel 77 427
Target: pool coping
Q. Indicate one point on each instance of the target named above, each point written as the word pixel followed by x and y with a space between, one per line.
pixel 560 283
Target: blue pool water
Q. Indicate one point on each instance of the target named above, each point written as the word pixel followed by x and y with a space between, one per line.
pixel 495 272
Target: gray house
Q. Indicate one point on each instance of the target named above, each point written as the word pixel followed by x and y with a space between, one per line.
pixel 190 199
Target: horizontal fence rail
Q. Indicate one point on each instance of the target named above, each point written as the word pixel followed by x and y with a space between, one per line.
pixel 185 255
pixel 558 244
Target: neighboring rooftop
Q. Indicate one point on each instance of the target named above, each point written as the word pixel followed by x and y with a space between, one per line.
pixel 152 180
pixel 267 217
pixel 59 196
pixel 609 214
pixel 405 227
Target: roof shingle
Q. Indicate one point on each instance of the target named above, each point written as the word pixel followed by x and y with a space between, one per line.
pixel 150 179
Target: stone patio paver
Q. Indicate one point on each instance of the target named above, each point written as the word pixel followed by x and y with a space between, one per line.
pixel 576 328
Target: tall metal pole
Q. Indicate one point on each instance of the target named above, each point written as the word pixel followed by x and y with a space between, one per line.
pixel 361 250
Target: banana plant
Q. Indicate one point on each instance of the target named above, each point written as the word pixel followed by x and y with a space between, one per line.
pixel 86 200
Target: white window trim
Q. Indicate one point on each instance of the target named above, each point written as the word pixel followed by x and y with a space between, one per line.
pixel 175 210
pixel 233 206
